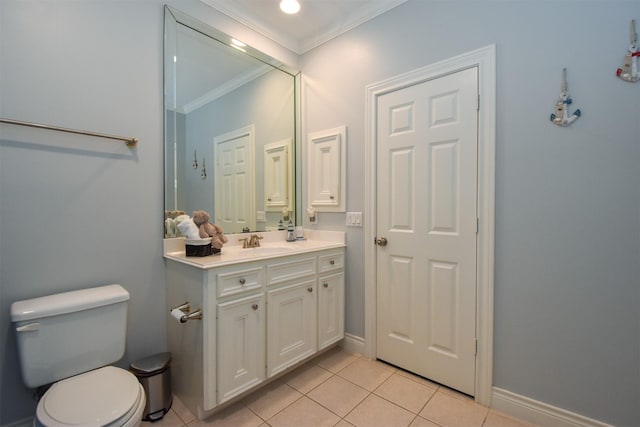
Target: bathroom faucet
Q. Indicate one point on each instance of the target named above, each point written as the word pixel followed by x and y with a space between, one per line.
pixel 252 242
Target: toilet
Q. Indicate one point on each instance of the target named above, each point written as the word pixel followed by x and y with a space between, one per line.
pixel 70 339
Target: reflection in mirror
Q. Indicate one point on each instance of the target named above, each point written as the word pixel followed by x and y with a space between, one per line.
pixel 230 130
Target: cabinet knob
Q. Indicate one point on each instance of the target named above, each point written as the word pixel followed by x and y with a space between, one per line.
pixel 326 285
pixel 254 306
pixel 309 289
pixel 242 281
pixel 332 262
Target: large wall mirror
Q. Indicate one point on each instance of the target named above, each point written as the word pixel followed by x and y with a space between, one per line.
pixel 230 130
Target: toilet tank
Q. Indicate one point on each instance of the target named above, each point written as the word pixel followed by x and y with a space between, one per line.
pixel 65 334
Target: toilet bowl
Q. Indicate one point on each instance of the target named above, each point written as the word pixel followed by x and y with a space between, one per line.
pixel 107 396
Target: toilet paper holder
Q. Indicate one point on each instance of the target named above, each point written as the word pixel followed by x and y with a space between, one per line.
pixel 182 313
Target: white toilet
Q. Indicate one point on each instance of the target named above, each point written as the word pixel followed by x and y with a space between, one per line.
pixel 69 339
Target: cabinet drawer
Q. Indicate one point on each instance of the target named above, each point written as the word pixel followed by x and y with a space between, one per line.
pixel 235 282
pixel 330 262
pixel 281 272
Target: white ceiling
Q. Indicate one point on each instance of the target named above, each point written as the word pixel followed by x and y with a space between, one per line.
pixel 317 22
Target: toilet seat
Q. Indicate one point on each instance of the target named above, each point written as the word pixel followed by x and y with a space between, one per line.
pixel 107 396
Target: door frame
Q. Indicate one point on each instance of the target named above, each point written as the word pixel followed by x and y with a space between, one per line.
pixel 485 59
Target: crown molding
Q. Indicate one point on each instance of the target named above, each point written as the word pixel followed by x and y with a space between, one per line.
pixel 361 16
pixel 304 45
pixel 225 89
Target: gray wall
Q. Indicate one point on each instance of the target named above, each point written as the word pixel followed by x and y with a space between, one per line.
pixel 567 256
pixel 77 212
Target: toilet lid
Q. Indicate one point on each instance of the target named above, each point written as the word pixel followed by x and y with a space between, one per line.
pixel 94 398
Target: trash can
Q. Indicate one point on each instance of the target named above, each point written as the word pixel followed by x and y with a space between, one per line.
pixel 155 376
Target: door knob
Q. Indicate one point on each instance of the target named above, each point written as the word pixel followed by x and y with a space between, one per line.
pixel 381 241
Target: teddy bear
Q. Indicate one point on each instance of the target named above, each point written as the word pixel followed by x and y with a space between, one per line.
pixel 207 229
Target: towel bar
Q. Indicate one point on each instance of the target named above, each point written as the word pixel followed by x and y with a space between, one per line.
pixel 131 142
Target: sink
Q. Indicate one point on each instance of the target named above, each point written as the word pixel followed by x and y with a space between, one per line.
pixel 268 250
pixel 239 252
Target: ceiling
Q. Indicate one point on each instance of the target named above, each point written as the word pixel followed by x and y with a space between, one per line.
pixel 317 22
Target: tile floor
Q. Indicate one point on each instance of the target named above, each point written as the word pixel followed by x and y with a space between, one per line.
pixel 342 389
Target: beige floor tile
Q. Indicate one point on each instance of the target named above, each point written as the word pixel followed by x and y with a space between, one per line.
pixel 421 422
pixel 417 378
pixel 498 419
pixel 181 410
pixel 304 412
pixel 170 419
pixel 236 415
pixel 271 399
pixel 406 393
pixel 368 374
pixel 454 393
pixel 338 395
pixel 377 412
pixel 307 377
pixel 344 423
pixel 336 359
pixel 449 411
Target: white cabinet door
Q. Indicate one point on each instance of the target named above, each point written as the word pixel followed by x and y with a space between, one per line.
pixel 278 176
pixel 327 170
pixel 330 309
pixel 291 325
pixel 241 345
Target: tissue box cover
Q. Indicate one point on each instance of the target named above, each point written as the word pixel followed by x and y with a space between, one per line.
pixel 200 247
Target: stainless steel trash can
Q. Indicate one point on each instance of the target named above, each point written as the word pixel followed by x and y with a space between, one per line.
pixel 154 374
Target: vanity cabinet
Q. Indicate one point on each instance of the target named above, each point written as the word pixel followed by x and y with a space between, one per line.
pixel 330 309
pixel 291 325
pixel 260 319
pixel 241 348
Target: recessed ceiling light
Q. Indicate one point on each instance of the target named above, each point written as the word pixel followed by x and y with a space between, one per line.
pixel 238 43
pixel 290 6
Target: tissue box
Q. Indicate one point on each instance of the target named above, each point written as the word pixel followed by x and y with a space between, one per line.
pixel 200 247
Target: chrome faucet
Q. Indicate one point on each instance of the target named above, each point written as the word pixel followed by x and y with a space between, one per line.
pixel 251 242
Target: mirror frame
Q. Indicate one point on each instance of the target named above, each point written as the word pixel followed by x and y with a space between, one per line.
pixel 174 16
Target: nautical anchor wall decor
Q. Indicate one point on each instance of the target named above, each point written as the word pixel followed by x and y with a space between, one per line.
pixel 562 117
pixel 629 71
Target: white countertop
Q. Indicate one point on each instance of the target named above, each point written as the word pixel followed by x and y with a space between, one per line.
pixel 273 245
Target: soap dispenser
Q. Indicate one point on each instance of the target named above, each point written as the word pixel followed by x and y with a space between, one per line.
pixel 290 236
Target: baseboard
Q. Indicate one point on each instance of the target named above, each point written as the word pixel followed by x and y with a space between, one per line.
pixel 353 344
pixel 537 412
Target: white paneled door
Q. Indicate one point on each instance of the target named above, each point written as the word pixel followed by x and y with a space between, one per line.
pixel 427 149
pixel 234 181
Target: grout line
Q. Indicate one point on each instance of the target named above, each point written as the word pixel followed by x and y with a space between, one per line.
pixel 439 389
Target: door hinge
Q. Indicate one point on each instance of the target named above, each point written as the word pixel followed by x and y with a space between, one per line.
pixel 477 225
pixel 475 349
pixel 478 103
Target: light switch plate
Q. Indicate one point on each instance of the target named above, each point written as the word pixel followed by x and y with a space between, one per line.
pixel 354 219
